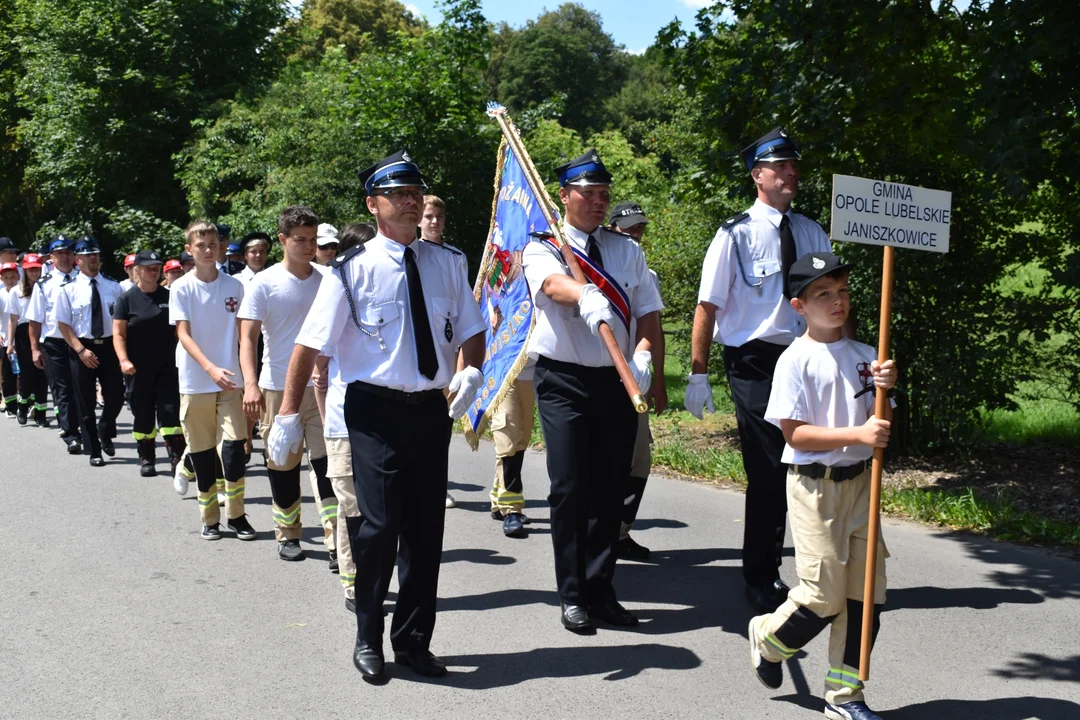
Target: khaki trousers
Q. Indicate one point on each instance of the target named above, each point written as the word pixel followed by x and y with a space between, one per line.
pixel 511 427
pixel 829 523
pixel 287 524
pixel 203 417
pixel 339 470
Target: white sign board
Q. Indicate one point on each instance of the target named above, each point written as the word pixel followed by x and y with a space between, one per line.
pixel 877 212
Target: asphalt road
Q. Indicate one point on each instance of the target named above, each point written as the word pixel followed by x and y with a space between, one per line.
pixel 113 607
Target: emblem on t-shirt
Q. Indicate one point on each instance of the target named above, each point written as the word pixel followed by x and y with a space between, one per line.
pixel 866 376
pixel 448 331
pixel 231 304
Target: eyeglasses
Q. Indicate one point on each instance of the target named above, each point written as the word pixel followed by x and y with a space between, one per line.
pixel 329 246
pixel 403 194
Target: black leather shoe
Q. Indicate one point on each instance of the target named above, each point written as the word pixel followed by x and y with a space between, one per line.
pixel 350 605
pixel 96 461
pixel 575 618
pixel 369 662
pixel 781 588
pixel 107 446
pixel 613 613
pixel 765 598
pixel 422 662
pixel 513 527
pixel 629 549
pixel 74 447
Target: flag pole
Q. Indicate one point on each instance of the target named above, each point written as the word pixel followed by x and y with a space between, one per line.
pixel 510 132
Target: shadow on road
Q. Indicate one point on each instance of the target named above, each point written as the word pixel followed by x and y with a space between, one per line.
pixel 1052 576
pixel 1036 666
pixel 484 556
pixel 976 598
pixel 662 523
pixel 1020 708
pixel 614 663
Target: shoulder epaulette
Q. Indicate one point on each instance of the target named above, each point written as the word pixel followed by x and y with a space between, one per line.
pixel 735 220
pixel 613 231
pixel 347 256
pixel 447 248
pixel 44 279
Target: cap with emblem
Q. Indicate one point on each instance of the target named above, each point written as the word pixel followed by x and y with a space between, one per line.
pixel 397 170
pixel 87 245
pixel 585 170
pixel 253 238
pixel 234 249
pixel 774 146
pixel 173 265
pixel 328 235
pixel 148 257
pixel 61 242
pixel 7 245
pixel 9 266
pixel 627 214
pixel 223 230
pixel 810 267
pixel 31 260
pixel 129 260
pixel 186 257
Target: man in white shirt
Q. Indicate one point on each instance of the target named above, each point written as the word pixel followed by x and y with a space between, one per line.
pixel 743 304
pixel 50 351
pixel 393 313
pixel 275 305
pixel 203 306
pixel 84 311
pixel 588 418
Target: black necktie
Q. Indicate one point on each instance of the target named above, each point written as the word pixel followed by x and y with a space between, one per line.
pixel 97 318
pixel 787 251
pixel 594 252
pixel 425 346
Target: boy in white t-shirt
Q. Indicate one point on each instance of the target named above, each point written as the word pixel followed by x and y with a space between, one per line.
pixel 276 303
pixel 822 399
pixel 203 306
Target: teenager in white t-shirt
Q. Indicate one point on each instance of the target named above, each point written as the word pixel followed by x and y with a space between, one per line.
pixel 203 306
pixel 822 400
pixel 276 304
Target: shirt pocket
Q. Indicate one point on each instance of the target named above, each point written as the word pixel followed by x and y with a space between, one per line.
pixel 629 283
pixel 767 272
pixel 444 318
pixel 379 325
pixel 80 310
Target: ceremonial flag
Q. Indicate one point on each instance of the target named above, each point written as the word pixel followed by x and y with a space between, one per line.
pixel 501 288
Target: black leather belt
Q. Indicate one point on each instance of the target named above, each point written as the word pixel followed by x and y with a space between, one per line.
pixel 409 398
pixel 839 474
pixel 95 341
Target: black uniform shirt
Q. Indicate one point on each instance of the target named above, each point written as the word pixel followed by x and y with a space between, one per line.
pixel 150 337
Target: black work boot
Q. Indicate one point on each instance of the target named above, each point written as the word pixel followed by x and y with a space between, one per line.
pixel 175 446
pixel 147 452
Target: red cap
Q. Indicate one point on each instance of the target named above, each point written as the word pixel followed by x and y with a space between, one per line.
pixel 9 266
pixel 173 265
pixel 31 260
pixel 129 260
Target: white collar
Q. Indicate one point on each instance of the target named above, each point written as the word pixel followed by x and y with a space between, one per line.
pixel 393 248
pixel 578 238
pixel 762 211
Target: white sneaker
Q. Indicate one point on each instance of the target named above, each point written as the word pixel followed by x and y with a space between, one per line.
pixel 450 502
pixel 181 479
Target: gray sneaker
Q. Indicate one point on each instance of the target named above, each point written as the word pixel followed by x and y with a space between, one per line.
pixel 290 550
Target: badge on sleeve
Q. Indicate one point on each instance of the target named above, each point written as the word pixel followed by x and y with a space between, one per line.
pixel 448 331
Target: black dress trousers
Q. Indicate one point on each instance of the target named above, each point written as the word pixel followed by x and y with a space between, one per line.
pixel 750 369
pixel 112 392
pixel 58 371
pixel 589 427
pixel 400 447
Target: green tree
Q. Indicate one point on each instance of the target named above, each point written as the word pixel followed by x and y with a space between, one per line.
pixel 352 24
pixel 914 94
pixel 562 52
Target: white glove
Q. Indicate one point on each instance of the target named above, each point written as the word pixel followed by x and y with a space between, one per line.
pixel 698 395
pixel 641 367
pixel 284 439
pixel 466 384
pixel 594 308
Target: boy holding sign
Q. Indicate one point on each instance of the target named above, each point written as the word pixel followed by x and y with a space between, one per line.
pixel 822 401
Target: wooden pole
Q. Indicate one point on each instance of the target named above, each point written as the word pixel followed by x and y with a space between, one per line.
pixel 881 405
pixel 540 193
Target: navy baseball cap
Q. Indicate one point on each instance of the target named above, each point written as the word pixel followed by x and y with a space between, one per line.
pixel 397 170
pixel 810 267
pixel 223 230
pixel 588 169
pixel 87 245
pixel 148 257
pixel 774 146
pixel 185 256
pixel 7 245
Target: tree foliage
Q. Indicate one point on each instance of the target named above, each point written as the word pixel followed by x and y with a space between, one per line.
pixel 355 25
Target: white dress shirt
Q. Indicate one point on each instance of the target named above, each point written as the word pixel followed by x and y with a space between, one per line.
pixel 559 332
pixel 372 337
pixel 74 306
pixel 42 308
pixel 750 302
